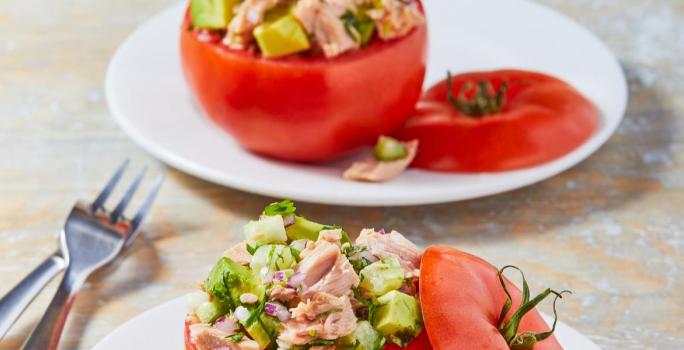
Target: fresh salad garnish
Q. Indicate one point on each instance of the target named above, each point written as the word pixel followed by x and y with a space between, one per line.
pixel 314 289
pixel 284 27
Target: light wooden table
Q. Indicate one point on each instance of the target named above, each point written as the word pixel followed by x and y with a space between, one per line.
pixel 610 229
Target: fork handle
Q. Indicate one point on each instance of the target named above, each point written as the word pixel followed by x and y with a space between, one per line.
pixel 13 304
pixel 46 334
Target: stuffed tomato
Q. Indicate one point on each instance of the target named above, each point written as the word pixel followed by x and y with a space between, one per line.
pixel 305 80
pixel 297 284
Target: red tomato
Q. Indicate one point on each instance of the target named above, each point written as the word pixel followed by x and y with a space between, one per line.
pixel 542 118
pixel 186 335
pixel 420 343
pixel 462 298
pixel 306 108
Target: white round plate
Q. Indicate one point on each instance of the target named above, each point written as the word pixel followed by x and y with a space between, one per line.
pixel 148 97
pixel 162 328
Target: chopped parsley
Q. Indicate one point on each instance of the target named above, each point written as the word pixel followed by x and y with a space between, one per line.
pixel 235 338
pixel 284 207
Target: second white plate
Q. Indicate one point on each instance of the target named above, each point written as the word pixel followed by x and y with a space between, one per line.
pixel 148 97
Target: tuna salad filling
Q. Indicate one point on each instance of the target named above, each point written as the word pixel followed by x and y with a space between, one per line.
pixel 284 27
pixel 297 284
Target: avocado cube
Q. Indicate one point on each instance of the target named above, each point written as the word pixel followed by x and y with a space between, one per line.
pixel 209 311
pixel 281 37
pixel 364 337
pixel 264 330
pixel 397 316
pixel 303 228
pixel 382 277
pixel 228 280
pixel 212 14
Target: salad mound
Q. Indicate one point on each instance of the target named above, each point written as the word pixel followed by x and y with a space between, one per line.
pixel 297 284
pixel 284 27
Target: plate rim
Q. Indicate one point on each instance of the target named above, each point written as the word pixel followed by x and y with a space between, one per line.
pixel 202 171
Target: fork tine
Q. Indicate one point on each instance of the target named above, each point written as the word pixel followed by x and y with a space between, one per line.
pixel 123 203
pixel 144 208
pixel 107 190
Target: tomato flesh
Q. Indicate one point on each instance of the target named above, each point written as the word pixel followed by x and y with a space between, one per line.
pixel 186 335
pixel 306 108
pixel 543 118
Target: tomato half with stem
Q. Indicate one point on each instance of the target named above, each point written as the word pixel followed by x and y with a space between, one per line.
pixel 463 300
pixel 306 108
pixel 498 121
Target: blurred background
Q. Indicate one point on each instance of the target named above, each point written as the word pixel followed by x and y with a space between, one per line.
pixel 615 220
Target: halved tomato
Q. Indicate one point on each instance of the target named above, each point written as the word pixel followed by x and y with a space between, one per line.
pixel 462 300
pixel 306 108
pixel 498 121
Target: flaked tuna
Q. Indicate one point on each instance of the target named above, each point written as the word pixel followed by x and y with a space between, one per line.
pixel 323 316
pixel 239 254
pixel 392 245
pixel 394 19
pixel 324 269
pixel 248 16
pixel 322 20
pixel 373 170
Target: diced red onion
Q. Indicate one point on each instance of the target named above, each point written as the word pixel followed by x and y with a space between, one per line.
pixel 382 231
pixel 277 310
pixel 283 315
pixel 271 309
pixel 296 280
pixel 226 324
pixel 279 276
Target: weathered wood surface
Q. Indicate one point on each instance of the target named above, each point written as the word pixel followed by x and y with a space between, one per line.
pixel 609 229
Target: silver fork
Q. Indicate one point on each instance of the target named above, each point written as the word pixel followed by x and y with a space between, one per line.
pixel 92 237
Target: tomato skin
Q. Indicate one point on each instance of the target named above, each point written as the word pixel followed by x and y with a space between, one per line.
pixel 303 108
pixel 186 336
pixel 421 342
pixel 544 118
pixel 462 297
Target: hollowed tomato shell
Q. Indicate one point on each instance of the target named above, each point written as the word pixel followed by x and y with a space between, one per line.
pixel 306 108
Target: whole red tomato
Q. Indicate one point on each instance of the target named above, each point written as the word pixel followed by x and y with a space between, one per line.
pixel 306 108
pixel 498 121
pixel 462 300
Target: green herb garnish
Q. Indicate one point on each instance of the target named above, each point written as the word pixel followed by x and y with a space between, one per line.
pixel 284 207
pixel 235 338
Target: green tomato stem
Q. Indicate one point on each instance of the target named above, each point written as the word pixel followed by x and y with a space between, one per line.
pixel 525 340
